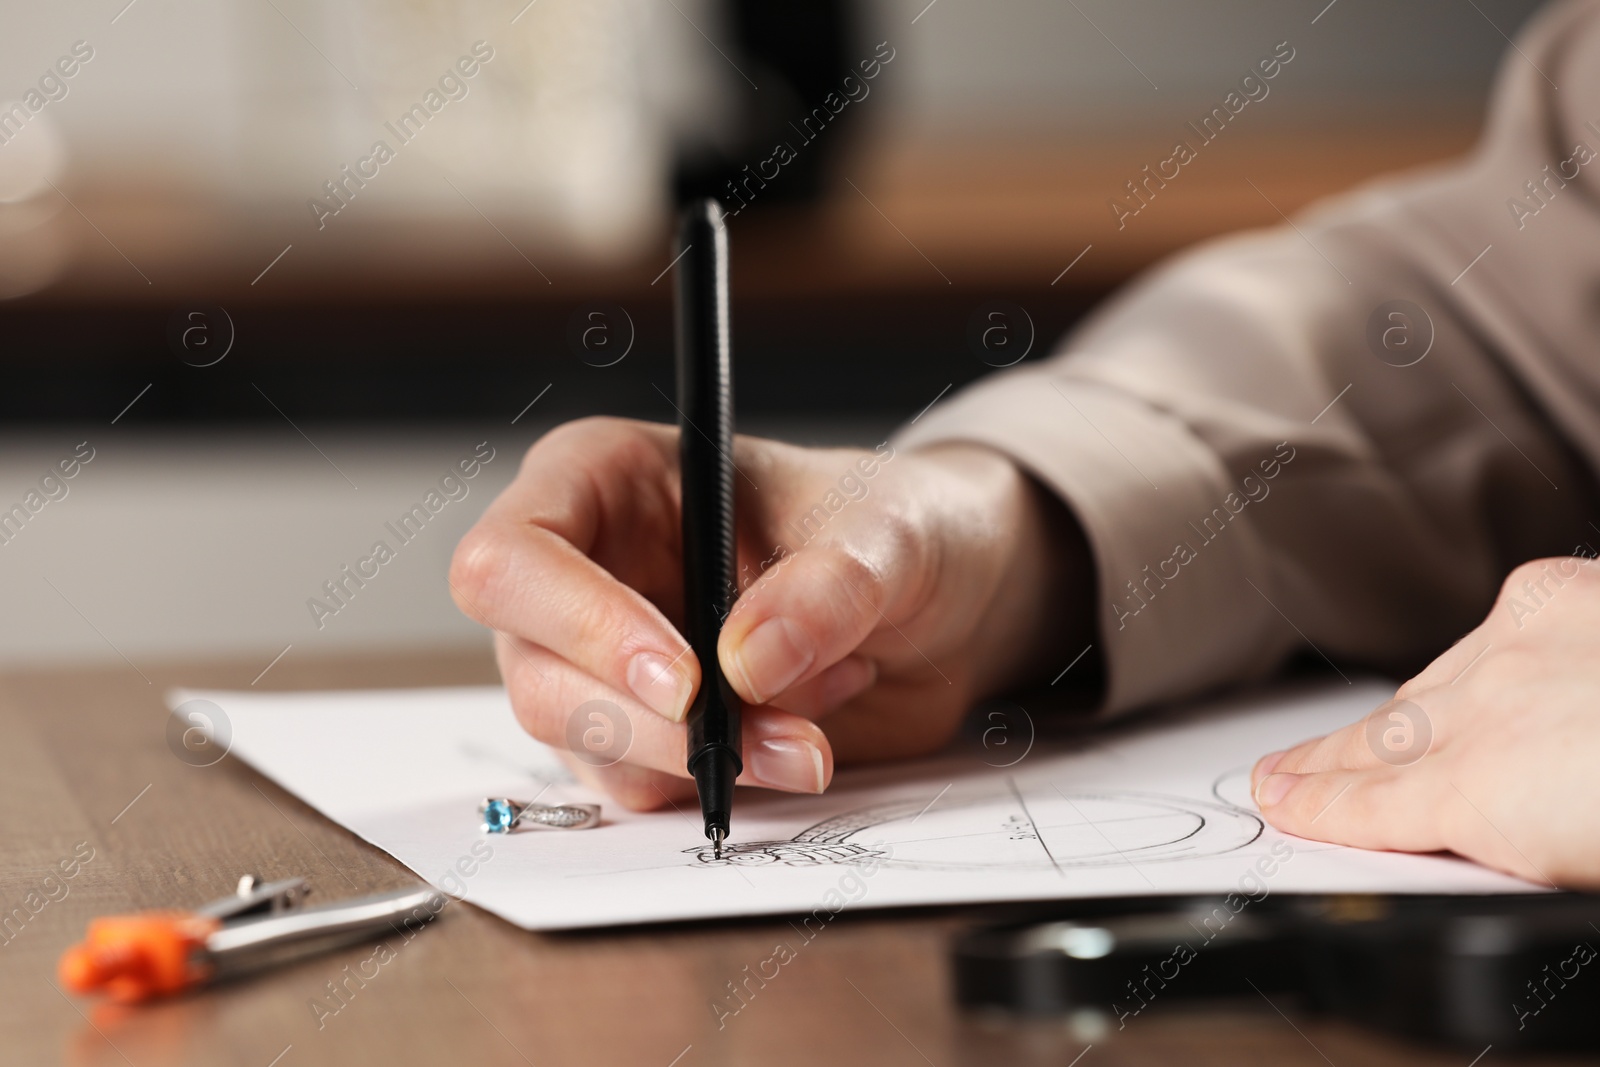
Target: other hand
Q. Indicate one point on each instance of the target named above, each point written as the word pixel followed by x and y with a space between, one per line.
pixel 1489 753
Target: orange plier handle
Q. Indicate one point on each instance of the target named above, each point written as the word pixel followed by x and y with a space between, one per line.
pixel 136 957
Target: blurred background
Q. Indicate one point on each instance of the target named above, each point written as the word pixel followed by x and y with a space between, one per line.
pixel 278 266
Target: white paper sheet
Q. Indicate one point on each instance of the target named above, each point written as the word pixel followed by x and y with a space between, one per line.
pixel 1157 808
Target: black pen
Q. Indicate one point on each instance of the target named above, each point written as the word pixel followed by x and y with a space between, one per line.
pixel 705 454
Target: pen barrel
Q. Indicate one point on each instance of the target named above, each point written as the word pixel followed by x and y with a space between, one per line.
pixel 705 406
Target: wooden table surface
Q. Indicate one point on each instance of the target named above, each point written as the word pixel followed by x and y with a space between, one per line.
pixel 84 758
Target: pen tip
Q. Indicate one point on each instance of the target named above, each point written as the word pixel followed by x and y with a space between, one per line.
pixel 718 835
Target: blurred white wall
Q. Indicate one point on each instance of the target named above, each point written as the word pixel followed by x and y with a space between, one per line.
pixel 210 543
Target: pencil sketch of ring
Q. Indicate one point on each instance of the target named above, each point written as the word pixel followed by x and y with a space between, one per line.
pixel 501 815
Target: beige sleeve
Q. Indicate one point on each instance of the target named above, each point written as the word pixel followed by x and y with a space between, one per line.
pixel 1254 471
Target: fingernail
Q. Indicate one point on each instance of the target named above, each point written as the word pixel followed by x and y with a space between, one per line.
pixel 1265 764
pixel 787 764
pixel 1274 787
pixel 771 657
pixel 661 684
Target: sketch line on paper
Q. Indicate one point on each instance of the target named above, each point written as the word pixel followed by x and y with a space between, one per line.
pixel 1033 827
pixel 993 828
pixel 1232 788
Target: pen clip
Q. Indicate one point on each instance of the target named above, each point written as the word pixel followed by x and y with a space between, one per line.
pixel 254 897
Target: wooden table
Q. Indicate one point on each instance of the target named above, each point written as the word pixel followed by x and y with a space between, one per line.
pixel 84 758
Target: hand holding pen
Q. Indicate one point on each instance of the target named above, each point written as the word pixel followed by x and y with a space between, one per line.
pixel 880 593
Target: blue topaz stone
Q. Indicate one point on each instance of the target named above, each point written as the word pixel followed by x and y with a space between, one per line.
pixel 498 816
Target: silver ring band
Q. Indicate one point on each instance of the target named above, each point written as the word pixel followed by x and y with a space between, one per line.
pixel 502 815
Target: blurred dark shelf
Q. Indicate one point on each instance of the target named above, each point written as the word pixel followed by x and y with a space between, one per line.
pixel 449 360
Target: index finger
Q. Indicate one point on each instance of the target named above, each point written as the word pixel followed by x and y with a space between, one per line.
pixel 525 568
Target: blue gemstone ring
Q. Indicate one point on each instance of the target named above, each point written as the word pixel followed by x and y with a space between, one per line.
pixel 501 815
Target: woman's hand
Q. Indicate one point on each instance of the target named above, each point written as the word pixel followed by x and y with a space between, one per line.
pixel 883 593
pixel 1490 752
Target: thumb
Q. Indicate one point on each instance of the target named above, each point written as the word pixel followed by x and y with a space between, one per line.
pixel 805 614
